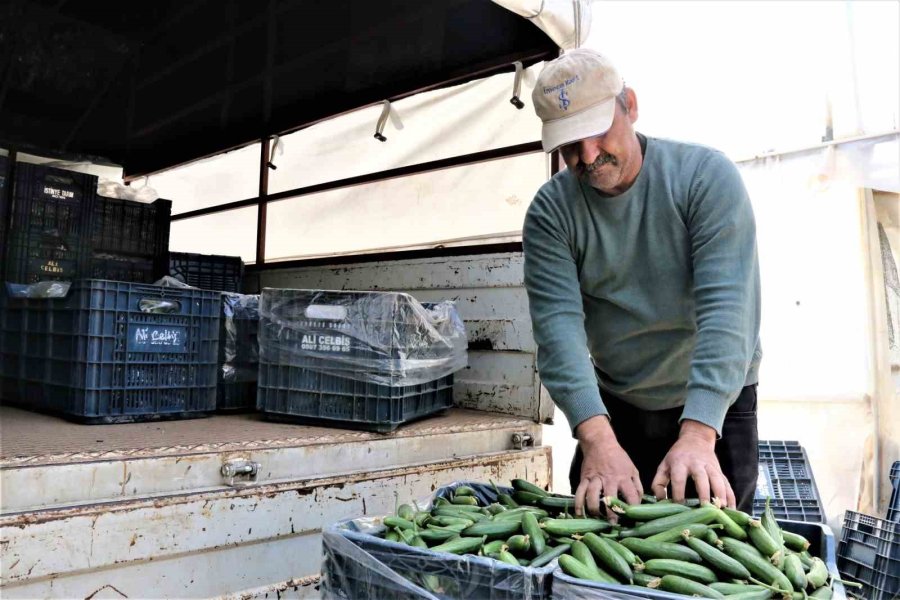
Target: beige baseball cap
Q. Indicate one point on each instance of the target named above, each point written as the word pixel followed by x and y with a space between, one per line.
pixel 575 97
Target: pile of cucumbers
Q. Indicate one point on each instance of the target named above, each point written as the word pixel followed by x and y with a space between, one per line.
pixel 689 549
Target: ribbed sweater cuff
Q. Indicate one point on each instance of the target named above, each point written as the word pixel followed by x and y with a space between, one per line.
pixel 707 407
pixel 581 405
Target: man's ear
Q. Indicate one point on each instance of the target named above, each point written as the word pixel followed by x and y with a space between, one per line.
pixel 631 100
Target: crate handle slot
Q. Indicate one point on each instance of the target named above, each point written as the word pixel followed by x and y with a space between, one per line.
pixel 325 312
pixel 159 306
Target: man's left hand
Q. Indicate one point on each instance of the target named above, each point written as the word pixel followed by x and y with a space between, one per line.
pixel 694 456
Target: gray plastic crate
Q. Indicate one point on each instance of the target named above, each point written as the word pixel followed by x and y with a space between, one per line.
pixel 869 554
pixel 821 539
pixel 786 476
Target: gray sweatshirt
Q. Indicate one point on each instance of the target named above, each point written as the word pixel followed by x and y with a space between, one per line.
pixel 653 294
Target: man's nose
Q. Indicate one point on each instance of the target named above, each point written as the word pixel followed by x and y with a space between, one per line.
pixel 588 151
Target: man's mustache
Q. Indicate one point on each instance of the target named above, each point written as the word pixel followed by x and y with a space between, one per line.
pixel 599 162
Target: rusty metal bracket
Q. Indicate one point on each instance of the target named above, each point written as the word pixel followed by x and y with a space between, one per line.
pixel 522 440
pixel 240 468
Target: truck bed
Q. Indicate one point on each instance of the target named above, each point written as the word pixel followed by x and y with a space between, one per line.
pixel 32 439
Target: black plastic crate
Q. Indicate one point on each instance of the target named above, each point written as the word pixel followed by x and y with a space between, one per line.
pixel 129 240
pixel 33 257
pixel 822 544
pixel 4 207
pixel 358 564
pixel 786 476
pixel 131 228
pixel 869 553
pixel 238 352
pixel 207 271
pixel 112 352
pixel 893 513
pixel 52 201
pixel 49 223
pixel 123 268
pixel 296 394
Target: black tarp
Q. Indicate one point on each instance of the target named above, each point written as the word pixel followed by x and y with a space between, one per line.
pixel 154 83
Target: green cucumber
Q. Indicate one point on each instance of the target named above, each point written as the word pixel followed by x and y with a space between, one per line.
pixel 647 550
pixel 794 541
pixel 574 567
pixel 644 580
pixel 464 490
pixel 757 565
pixel 738 516
pixel 453 528
pixel 494 547
pixel 581 552
pixel 818 573
pixel 823 593
pixel 422 518
pixel 519 544
pixel 533 530
pixel 731 528
pixel 463 545
pixel 496 509
pixel 703 515
pixel 447 521
pixel 608 556
pixel 760 594
pixel 630 557
pixel 649 499
pixel 392 535
pixel 667 566
pixel 547 556
pixel 760 538
pixel 493 529
pixel 772 528
pixel 565 527
pixel 674 534
pixel 793 570
pixel 682 585
pixel 557 503
pixel 730 589
pixel 649 512
pixel 712 538
pixel 435 536
pixel 464 500
pixel 528 498
pixel 398 523
pixel 718 559
pixel 505 556
pixel 522 485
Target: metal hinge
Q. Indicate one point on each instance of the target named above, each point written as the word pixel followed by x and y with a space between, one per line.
pixel 522 440
pixel 240 468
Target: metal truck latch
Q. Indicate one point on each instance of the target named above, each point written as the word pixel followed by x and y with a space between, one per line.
pixel 522 440
pixel 240 468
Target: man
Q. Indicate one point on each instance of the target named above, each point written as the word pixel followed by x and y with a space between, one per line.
pixel 643 283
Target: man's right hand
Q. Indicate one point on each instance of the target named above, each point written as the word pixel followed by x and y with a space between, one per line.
pixel 606 470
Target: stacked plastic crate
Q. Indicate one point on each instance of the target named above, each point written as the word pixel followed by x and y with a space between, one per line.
pixel 786 479
pixel 109 351
pixel 869 552
pixel 129 240
pixel 49 223
pixel 367 360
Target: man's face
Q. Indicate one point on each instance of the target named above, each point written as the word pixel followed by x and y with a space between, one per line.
pixel 606 161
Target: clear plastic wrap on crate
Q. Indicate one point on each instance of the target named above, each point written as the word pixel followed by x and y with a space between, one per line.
pixel 240 351
pixel 357 565
pixel 41 289
pixel 385 338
